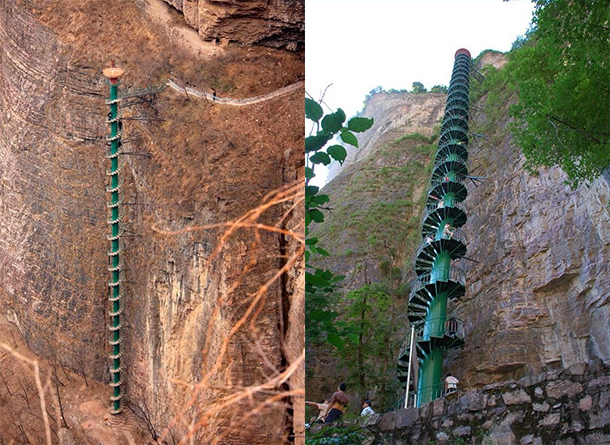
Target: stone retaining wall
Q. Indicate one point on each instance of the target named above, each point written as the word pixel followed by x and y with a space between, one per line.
pixel 562 407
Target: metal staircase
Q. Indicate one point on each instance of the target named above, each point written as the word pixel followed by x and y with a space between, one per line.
pixel 438 278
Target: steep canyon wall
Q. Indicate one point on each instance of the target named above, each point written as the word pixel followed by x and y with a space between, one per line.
pixel 194 165
pixel 276 23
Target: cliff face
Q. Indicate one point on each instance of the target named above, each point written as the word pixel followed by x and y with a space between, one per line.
pixel 376 195
pixel 537 298
pixel 395 115
pixel 195 308
pixel 275 23
pixel 538 288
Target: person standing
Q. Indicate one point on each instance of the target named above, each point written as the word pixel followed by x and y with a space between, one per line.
pixel 323 407
pixel 447 231
pixel 451 384
pixel 337 404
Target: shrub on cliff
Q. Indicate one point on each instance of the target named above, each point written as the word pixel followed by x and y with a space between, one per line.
pixel 561 72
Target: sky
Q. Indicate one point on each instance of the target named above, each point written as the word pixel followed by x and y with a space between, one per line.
pixel 357 45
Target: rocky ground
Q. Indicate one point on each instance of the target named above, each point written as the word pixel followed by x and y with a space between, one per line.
pixel 75 407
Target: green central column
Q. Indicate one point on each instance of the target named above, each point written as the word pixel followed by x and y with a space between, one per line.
pixel 438 281
pixel 449 199
pixel 431 371
pixel 429 385
pixel 436 316
pixel 440 267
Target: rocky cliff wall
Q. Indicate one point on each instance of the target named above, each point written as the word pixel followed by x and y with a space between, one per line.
pixel 538 293
pixel 376 194
pixel 53 195
pixel 395 115
pixel 193 164
pixel 276 23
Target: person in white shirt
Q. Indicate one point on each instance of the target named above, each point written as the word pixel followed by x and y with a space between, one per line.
pixel 367 411
pixel 451 384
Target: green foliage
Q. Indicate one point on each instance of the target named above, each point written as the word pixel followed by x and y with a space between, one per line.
pixel 394 90
pixel 313 110
pixel 320 284
pixel 369 315
pixel 519 42
pixel 561 70
pixel 418 87
pixel 499 86
pixel 439 89
pixel 417 137
pixel 336 435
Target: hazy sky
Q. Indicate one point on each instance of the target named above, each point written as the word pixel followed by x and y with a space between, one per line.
pixel 357 45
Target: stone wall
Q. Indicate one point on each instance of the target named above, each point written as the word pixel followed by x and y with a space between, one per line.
pixel 557 407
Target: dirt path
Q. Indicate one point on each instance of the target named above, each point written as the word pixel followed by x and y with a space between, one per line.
pixel 234 102
pixel 163 15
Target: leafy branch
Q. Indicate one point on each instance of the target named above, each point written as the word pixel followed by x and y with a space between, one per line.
pixel 321 283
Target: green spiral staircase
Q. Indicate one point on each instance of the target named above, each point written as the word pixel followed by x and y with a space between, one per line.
pixel 114 237
pixel 438 279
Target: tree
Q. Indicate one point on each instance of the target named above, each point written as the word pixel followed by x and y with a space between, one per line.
pixel 561 70
pixel 418 87
pixel 369 313
pixel 439 89
pixel 320 284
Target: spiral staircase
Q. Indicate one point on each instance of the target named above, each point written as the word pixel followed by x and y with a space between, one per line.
pixel 438 279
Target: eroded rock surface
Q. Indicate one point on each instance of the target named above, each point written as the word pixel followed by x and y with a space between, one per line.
pixel 539 291
pixel 197 307
pixel 276 23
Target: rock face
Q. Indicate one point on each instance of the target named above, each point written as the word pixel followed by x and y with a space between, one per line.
pixel 568 407
pixel 202 306
pixel 376 197
pixel 276 23
pixel 48 286
pixel 395 115
pixel 539 292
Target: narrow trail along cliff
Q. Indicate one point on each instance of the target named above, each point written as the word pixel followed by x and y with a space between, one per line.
pixel 236 102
